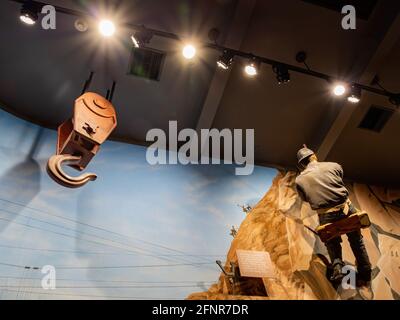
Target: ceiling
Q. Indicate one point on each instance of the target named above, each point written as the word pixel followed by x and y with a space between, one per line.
pixel 44 71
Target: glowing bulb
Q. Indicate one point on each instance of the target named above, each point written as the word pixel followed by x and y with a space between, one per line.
pixel 26 19
pixel 29 13
pixel 355 94
pixel 106 28
pixel 353 99
pixel 222 65
pixel 251 70
pixel 135 42
pixel 81 25
pixel 339 90
pixel 189 51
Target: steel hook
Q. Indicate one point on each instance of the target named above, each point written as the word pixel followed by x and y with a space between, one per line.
pixel 55 170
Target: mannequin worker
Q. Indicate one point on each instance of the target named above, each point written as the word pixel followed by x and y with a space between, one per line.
pixel 321 185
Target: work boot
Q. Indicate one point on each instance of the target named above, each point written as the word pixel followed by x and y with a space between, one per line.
pixel 365 289
pixel 337 274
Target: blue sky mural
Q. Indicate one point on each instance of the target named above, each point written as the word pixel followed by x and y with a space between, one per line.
pixel 137 232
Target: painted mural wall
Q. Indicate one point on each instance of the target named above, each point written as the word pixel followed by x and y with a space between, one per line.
pixel 139 231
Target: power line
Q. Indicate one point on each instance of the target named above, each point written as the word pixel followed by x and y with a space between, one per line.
pixel 92 241
pixel 103 287
pixel 92 296
pixel 114 281
pixel 107 267
pixel 134 266
pixel 95 227
pixel 73 230
pixel 77 232
pixel 158 256
pixel 99 253
pixel 17 266
pixel 59 233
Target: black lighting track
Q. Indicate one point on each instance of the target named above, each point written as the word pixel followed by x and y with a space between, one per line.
pixel 234 52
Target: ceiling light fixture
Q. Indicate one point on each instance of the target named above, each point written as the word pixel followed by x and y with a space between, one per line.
pixel 29 13
pixel 81 25
pixel 189 52
pixel 106 28
pixel 282 73
pixel 141 37
pixel 355 94
pixel 252 68
pixel 226 60
pixel 339 89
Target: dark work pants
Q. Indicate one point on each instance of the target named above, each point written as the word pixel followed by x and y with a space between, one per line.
pixel 356 243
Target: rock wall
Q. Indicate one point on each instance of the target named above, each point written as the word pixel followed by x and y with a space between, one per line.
pixel 277 225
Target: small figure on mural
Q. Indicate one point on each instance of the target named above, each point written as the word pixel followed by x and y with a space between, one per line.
pixel 321 185
pixel 233 231
pixel 246 208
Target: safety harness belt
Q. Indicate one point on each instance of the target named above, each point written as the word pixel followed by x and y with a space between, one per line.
pixel 344 207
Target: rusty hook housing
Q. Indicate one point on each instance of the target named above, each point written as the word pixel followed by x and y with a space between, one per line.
pixel 79 138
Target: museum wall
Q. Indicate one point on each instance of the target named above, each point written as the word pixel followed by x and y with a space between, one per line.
pixel 277 225
pixel 138 231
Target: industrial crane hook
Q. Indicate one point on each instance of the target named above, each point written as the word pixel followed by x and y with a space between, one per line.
pixel 55 170
pixel 79 138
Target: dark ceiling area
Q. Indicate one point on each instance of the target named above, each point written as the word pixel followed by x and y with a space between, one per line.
pixel 43 72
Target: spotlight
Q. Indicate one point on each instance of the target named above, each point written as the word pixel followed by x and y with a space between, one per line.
pixel 106 28
pixel 226 60
pixel 29 13
pixel 81 25
pixel 252 68
pixel 339 90
pixel 141 37
pixel 189 51
pixel 355 94
pixel 282 73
